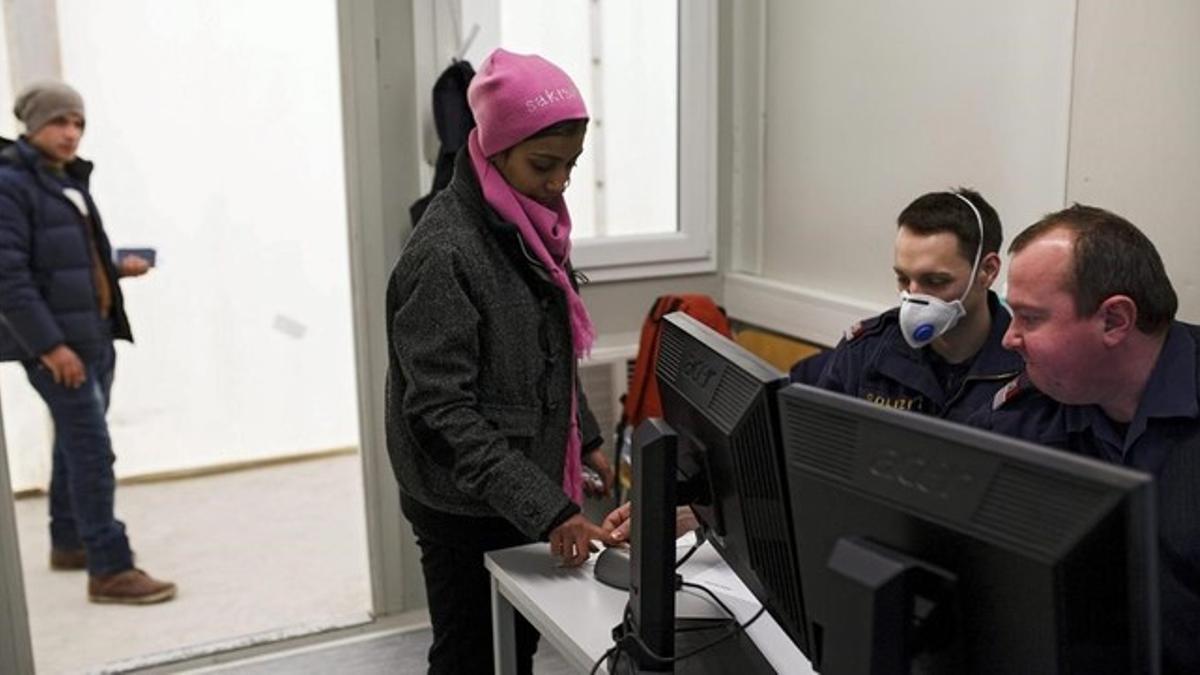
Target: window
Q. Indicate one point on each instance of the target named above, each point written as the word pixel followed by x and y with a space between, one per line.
pixel 643 197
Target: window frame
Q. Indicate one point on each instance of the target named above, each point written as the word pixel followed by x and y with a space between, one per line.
pixel 692 248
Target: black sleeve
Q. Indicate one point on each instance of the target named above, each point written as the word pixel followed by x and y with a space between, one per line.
pixel 22 306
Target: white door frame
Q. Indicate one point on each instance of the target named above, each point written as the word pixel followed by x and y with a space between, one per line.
pixel 382 179
pixel 16 649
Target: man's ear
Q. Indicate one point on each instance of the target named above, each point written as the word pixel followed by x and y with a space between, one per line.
pixel 1119 316
pixel 989 267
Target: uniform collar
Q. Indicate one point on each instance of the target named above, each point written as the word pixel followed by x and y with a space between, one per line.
pixel 993 359
pixel 1170 392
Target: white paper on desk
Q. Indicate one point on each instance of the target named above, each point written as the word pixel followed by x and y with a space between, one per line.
pixel 722 581
pixel 713 573
pixel 684 543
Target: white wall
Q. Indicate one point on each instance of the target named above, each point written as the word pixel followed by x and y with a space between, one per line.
pixel 216 129
pixel 1036 104
pixel 8 123
pixel 870 104
pixel 27 427
pixel 1135 126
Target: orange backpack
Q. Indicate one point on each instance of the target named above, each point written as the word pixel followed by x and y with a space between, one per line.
pixel 642 400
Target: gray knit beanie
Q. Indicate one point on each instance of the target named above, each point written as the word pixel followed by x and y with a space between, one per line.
pixel 41 102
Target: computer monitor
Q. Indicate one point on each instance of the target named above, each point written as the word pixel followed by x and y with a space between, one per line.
pixel 931 547
pixel 720 401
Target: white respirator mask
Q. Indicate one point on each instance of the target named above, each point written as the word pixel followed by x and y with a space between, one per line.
pixel 923 318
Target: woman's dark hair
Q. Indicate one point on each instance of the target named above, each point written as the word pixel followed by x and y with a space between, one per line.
pixel 1110 257
pixel 944 212
pixel 563 128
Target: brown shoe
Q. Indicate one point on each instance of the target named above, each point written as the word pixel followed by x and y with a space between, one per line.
pixel 64 559
pixel 131 587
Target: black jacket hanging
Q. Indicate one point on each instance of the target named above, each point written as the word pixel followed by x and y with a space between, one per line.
pixel 453 120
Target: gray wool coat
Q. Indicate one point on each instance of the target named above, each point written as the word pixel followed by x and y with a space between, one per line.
pixel 479 368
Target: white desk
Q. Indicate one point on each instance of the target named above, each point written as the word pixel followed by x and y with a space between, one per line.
pixel 576 613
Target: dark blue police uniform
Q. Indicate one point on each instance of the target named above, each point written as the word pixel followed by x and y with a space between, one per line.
pixel 874 362
pixel 1163 439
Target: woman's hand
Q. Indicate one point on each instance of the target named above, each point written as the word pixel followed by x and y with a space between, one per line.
pixel 599 463
pixel 617 523
pixel 571 542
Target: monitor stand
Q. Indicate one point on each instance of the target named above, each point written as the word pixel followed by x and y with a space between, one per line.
pixel 650 617
pixel 891 609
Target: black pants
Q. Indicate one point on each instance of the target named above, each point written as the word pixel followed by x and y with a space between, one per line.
pixel 458 589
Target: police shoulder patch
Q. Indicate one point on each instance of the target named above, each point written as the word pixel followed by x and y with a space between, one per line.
pixel 854 331
pixel 1011 391
pixel 864 327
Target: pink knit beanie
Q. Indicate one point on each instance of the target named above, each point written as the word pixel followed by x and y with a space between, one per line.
pixel 514 96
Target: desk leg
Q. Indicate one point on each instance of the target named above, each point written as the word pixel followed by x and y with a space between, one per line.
pixel 504 632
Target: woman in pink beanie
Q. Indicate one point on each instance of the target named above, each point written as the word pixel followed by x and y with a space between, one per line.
pixel 487 427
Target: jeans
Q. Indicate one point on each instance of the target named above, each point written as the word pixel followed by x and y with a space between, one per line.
pixel 82 484
pixel 458 588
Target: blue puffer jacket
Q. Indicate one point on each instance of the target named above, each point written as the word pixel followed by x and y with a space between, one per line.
pixel 47 288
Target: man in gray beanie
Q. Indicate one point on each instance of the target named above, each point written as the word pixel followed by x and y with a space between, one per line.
pixel 60 310
pixel 40 103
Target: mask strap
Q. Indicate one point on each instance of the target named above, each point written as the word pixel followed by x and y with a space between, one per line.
pixel 978 250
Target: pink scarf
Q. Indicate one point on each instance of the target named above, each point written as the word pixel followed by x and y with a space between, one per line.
pixel 546 233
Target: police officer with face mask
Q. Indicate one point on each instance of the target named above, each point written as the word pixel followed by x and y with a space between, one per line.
pixel 938 352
